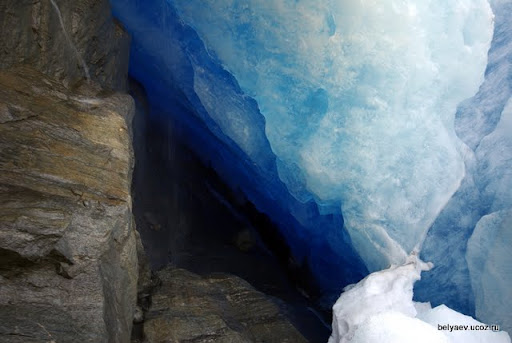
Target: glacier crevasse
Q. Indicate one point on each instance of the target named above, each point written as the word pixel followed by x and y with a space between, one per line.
pixel 346 122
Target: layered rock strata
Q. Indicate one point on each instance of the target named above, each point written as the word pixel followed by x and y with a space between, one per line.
pixel 218 308
pixel 68 259
pixel 68 252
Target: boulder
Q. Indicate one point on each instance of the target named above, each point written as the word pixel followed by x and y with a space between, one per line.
pixel 217 308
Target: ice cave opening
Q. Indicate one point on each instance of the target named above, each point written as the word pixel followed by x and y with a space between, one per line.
pixel 366 133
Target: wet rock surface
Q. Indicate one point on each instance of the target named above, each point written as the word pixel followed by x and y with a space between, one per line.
pixel 68 256
pixel 217 308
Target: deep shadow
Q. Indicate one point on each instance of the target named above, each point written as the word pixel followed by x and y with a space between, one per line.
pixel 188 217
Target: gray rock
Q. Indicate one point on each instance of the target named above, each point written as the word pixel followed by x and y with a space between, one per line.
pixel 32 34
pixel 218 308
pixel 71 262
pixel 68 255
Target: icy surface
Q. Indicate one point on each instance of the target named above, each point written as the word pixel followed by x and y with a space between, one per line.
pixel 494 156
pixel 379 309
pixel 203 106
pixel 384 291
pixel 343 122
pixel 490 267
pixel 464 329
pixel 468 275
pixel 359 99
pixel 395 327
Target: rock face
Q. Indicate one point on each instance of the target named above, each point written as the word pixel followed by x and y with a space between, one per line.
pixel 57 41
pixel 69 252
pixel 218 308
pixel 68 247
pixel 68 259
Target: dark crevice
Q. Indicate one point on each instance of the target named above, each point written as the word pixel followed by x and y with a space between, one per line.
pixel 10 261
pixel 188 217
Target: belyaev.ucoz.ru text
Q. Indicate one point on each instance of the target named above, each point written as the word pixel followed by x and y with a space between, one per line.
pixel 477 327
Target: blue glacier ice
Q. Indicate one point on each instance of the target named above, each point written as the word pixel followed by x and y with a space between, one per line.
pixel 489 262
pixel 191 91
pixel 359 99
pixel 483 124
pixel 488 253
pixel 365 129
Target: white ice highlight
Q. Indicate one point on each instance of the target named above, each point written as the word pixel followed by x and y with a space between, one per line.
pixel 379 309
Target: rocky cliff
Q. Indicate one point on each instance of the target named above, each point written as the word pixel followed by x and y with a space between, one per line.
pixel 68 257
pixel 69 251
pixel 67 243
pixel 68 40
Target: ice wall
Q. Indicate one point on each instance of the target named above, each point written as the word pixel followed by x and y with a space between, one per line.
pixel 489 263
pixel 193 94
pixel 488 253
pixel 318 109
pixel 464 241
pixel 359 100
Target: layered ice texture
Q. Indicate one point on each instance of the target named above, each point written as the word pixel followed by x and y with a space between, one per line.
pixel 190 90
pixel 380 309
pixel 364 129
pixel 359 99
